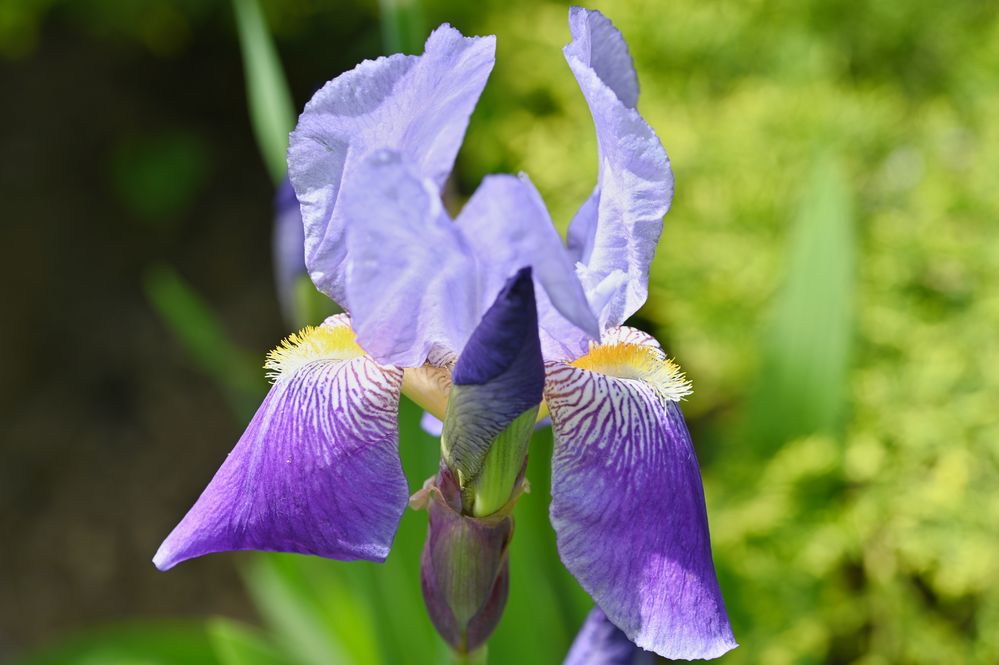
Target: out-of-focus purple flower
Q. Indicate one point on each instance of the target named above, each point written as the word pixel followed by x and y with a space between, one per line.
pixel 317 470
pixel 288 245
pixel 599 642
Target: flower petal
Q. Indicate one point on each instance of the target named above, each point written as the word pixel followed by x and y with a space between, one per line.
pixel 317 471
pixel 508 227
pixel 411 280
pixel 599 642
pixel 628 510
pixel 615 232
pixel 418 105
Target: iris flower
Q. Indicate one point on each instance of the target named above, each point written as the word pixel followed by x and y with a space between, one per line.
pixel 317 470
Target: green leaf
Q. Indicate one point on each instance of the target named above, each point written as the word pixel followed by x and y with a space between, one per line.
pixel 272 112
pixel 200 332
pixel 315 611
pixel 403 26
pixel 166 643
pixel 546 605
pixel 236 644
pixel 806 355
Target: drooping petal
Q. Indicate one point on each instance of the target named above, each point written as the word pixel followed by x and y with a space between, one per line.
pixel 627 501
pixel 411 279
pixel 508 227
pixel 418 105
pixel 317 470
pixel 615 232
pixel 498 377
pixel 599 642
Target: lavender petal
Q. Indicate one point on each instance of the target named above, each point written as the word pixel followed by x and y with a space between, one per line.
pixel 412 277
pixel 508 227
pixel 418 105
pixel 615 232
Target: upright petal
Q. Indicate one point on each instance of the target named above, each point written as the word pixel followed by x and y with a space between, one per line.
pixel 599 642
pixel 508 227
pixel 615 232
pixel 627 502
pixel 412 276
pixel 317 470
pixel 418 105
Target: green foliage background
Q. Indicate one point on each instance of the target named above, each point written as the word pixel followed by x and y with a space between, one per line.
pixel 827 278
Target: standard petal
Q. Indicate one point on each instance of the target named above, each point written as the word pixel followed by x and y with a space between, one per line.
pixel 412 276
pixel 615 232
pixel 317 471
pixel 418 105
pixel 628 505
pixel 599 642
pixel 508 227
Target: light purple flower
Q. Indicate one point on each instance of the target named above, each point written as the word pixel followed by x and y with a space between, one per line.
pixel 317 470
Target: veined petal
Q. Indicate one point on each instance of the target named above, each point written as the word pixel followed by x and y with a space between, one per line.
pixel 412 276
pixel 599 642
pixel 615 232
pixel 317 470
pixel 627 501
pixel 418 105
pixel 508 227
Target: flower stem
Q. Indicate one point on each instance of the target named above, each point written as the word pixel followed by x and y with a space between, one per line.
pixel 477 657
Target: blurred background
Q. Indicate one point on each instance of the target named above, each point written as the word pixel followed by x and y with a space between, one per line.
pixel 827 278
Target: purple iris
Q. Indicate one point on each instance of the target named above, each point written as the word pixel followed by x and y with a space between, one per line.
pixel 317 470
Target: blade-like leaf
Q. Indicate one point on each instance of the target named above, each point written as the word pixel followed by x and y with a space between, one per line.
pixel 403 28
pixel 806 354
pixel 272 112
pixel 166 643
pixel 236 644
pixel 202 336
pixel 316 614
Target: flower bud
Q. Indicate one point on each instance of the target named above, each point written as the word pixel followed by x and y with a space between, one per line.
pixel 497 388
pixel 464 568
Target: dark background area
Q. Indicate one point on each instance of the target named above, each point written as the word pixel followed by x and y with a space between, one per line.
pixel 108 431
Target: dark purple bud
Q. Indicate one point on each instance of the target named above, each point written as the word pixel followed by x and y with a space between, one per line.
pixel 499 376
pixel 506 340
pixel 464 568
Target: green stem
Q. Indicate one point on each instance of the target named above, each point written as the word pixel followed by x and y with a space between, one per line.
pixel 477 657
pixel 402 26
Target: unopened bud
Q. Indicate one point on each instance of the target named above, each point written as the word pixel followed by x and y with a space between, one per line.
pixel 464 569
